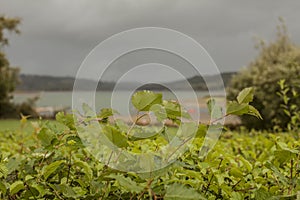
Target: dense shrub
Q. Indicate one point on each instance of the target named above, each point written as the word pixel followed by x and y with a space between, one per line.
pixel 51 161
pixel 277 60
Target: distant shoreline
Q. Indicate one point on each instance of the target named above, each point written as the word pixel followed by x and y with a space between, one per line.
pixel 33 83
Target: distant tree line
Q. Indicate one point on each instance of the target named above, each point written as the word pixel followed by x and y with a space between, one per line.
pixel 51 83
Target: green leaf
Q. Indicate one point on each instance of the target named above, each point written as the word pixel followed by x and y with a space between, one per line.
pixel 31 192
pixel 88 111
pixel 180 192
pixel 13 164
pixel 140 133
pixel 50 169
pixel 85 168
pixel 74 141
pixel 245 96
pixel 143 100
pixel 202 130
pixel 46 137
pixel 174 110
pixel 234 108
pixel 3 188
pixel 246 163
pixel 3 170
pixel 115 136
pixel 159 112
pixel 66 119
pixel 65 189
pixel 262 194
pixel 236 172
pixel 254 112
pixel 237 196
pixel 121 125
pixel 214 109
pixel 276 171
pixel 284 153
pixel 127 183
pixel 16 187
pixel 107 112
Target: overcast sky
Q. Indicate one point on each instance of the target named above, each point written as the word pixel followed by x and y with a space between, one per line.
pixel 56 35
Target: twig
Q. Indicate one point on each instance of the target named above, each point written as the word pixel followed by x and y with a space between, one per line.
pixel 69 167
pixel 185 141
pixel 218 119
pixel 209 183
pixel 291 177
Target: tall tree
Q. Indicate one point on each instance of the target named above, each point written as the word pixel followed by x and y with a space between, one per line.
pixel 8 74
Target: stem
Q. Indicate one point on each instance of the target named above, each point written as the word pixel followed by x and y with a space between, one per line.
pixel 104 193
pixel 44 156
pixel 185 141
pixel 291 177
pixel 135 121
pixel 69 166
pixel 244 190
pixel 236 184
pixel 147 187
pixel 57 195
pixel 109 158
pixel 30 191
pixel 209 183
pixel 218 119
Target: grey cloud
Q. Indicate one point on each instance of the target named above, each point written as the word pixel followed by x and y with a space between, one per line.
pixel 58 34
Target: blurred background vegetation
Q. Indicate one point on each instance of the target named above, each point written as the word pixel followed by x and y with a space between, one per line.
pixel 9 76
pixel 277 60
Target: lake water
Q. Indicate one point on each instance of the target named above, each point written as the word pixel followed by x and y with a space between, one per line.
pixel 118 100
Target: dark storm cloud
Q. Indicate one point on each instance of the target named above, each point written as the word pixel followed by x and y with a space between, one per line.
pixel 58 34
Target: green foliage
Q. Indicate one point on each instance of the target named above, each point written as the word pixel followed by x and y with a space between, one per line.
pixel 143 100
pixel 277 60
pixel 241 166
pixel 289 96
pixel 241 106
pixel 255 166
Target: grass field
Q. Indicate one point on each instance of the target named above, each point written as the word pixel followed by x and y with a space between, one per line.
pixel 9 125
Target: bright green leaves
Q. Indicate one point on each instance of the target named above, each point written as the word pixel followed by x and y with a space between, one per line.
pixel 284 153
pixel 254 112
pixel 115 136
pixel 143 100
pixel 162 109
pixel 127 183
pixel 16 187
pixel 181 192
pixel 174 110
pixel 47 137
pixel 66 119
pixel 245 96
pixel 3 171
pixel 105 113
pixel 234 108
pixel 85 167
pixel 48 170
pixel 214 109
pixel 56 164
pixel 159 112
pixel 241 106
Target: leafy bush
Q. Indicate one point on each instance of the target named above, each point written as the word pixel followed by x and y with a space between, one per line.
pixel 291 110
pixel 52 163
pixel 277 60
